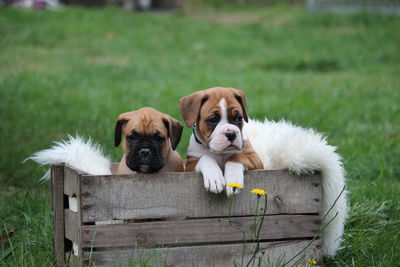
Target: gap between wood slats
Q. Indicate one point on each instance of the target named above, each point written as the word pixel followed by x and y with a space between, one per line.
pixel 188 219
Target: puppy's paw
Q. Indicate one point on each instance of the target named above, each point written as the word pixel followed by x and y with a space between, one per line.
pixel 233 174
pixel 214 180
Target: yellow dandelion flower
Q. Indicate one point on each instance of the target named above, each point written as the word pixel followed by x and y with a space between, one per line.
pixel 235 185
pixel 311 261
pixel 259 191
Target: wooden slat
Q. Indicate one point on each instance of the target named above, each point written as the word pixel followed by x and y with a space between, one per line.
pixel 79 222
pixel 71 180
pixel 71 226
pixel 57 178
pixel 215 230
pixel 72 187
pixel 209 255
pixel 170 195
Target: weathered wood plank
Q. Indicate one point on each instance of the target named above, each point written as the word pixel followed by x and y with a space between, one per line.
pixel 72 188
pixel 79 222
pixel 71 180
pixel 201 231
pixel 171 195
pixel 71 226
pixel 57 179
pixel 209 255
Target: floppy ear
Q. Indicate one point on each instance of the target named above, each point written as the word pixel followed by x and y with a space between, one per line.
pixel 174 128
pixel 190 107
pixel 241 97
pixel 121 121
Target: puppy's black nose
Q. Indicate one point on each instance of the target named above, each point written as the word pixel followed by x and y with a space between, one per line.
pixel 230 136
pixel 144 152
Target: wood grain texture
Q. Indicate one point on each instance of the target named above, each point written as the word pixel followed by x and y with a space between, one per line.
pixel 181 195
pixel 209 255
pixel 200 231
pixel 71 180
pixel 71 226
pixel 72 188
pixel 79 222
pixel 57 179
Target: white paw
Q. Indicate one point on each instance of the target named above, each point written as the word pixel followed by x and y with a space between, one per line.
pixel 214 180
pixel 233 174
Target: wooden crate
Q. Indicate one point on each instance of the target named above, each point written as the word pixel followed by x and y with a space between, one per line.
pixel 171 216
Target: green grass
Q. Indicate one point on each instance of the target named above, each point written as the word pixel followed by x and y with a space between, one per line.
pixel 75 70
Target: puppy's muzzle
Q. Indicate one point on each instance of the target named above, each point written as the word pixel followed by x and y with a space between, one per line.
pixel 145 153
pixel 226 138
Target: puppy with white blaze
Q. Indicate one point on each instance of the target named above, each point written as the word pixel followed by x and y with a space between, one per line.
pixel 217 148
pixel 221 147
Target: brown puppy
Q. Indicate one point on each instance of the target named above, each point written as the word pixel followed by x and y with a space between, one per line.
pixel 150 138
pixel 217 148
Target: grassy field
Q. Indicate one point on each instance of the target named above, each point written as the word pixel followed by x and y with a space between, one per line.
pixel 75 70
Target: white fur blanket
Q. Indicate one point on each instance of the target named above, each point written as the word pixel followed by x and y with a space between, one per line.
pixel 77 152
pixel 280 145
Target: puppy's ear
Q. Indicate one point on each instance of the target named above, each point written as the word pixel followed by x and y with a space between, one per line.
pixel 190 106
pixel 241 98
pixel 121 121
pixel 174 128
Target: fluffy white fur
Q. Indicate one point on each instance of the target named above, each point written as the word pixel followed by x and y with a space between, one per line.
pixel 76 152
pixel 281 145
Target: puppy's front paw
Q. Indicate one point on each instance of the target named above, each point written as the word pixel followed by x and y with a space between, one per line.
pixel 214 180
pixel 233 174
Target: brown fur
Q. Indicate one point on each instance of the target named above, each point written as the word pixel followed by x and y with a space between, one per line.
pixel 149 121
pixel 248 157
pixel 191 163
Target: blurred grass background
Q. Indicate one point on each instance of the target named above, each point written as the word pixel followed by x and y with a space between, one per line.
pixel 74 70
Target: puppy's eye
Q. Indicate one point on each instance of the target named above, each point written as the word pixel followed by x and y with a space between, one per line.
pixel 158 137
pixel 238 119
pixel 213 120
pixel 132 136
